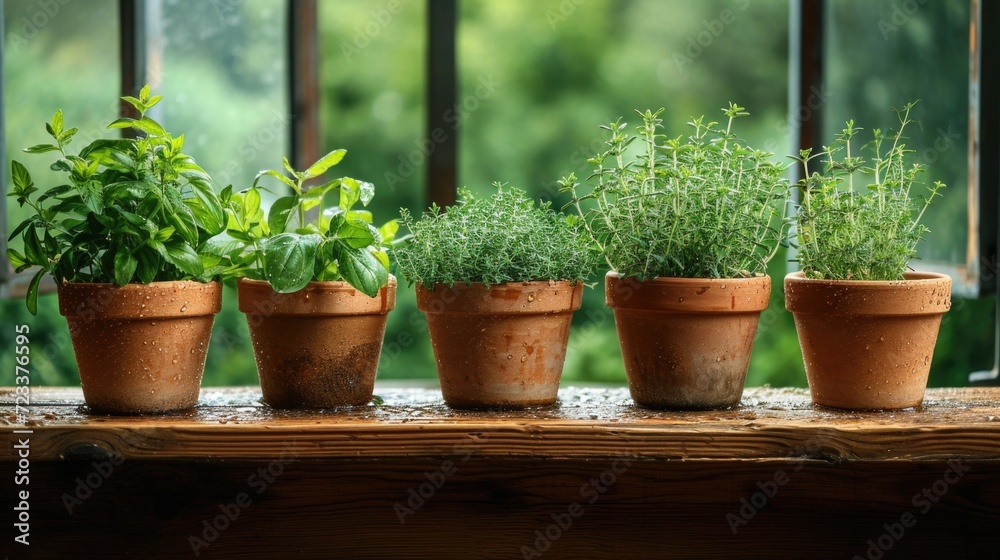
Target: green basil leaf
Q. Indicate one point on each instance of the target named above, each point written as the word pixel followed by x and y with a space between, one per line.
pixel 125 265
pixel 289 260
pixel 362 270
pixel 31 298
pixel 184 257
pixel 355 233
pixel 20 175
pixel 277 217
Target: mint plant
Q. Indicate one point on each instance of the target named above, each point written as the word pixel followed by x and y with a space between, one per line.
pixel 289 249
pixel 705 206
pixel 869 233
pixel 505 237
pixel 130 210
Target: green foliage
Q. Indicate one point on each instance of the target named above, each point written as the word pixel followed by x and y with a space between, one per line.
pixel 289 250
pixel 132 209
pixel 703 207
pixel 869 234
pixel 503 238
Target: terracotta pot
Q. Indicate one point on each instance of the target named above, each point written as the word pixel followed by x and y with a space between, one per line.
pixel 141 348
pixel 686 342
pixel 868 345
pixel 501 346
pixel 318 347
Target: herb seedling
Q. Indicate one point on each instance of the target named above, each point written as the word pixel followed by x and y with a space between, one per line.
pixel 502 238
pixel 707 206
pixel 131 210
pixel 289 250
pixel 867 233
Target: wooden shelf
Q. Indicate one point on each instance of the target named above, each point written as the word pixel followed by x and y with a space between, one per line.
pixel 505 474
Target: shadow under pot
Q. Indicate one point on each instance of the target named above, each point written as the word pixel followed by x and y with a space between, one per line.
pixel 141 348
pixel 318 347
pixel 501 346
pixel 868 344
pixel 686 342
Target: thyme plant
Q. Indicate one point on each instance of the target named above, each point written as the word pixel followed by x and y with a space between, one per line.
pixel 502 238
pixel 704 206
pixel 869 232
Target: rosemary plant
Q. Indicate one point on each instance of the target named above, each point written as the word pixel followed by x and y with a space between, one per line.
pixel 865 231
pixel 705 206
pixel 503 238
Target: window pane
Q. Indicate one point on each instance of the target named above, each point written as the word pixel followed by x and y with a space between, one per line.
pixel 372 90
pixel 58 55
pixel 222 70
pixel 538 78
pixel 882 55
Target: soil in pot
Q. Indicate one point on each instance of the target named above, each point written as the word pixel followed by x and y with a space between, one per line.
pixel 501 346
pixel 141 348
pixel 686 342
pixel 868 345
pixel 318 347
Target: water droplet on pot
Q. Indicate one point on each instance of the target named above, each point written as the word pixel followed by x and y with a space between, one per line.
pixel 147 298
pixel 524 359
pixel 152 323
pixel 152 391
pixel 192 350
pixel 143 305
pixel 723 287
pixel 680 299
pixel 718 359
pixel 163 293
pixel 531 297
pixel 174 361
pixel 184 308
pixel 172 299
pixel 882 338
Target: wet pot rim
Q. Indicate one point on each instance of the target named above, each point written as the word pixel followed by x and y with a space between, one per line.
pixel 688 295
pixel 134 301
pixel 329 298
pixel 507 298
pixel 919 293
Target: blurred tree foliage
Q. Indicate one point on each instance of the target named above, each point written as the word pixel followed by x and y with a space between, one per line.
pixel 536 80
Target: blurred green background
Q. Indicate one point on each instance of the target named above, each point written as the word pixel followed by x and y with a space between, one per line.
pixel 537 78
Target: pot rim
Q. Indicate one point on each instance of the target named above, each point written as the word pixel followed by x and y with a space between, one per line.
pixel 537 297
pixel 919 293
pixel 316 299
pixel 83 300
pixel 910 277
pixel 668 294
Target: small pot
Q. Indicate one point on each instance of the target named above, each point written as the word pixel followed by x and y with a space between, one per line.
pixel 686 342
pixel 318 347
pixel 141 348
pixel 868 345
pixel 501 346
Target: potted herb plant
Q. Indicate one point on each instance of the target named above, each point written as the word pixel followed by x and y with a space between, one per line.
pixel 124 238
pixel 687 226
pixel 498 279
pixel 867 326
pixel 314 283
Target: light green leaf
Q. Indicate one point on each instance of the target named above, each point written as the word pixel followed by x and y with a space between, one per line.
pixel 31 298
pixel 324 163
pixel 277 217
pixel 388 231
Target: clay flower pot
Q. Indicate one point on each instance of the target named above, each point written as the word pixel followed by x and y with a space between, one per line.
pixel 501 346
pixel 868 345
pixel 686 342
pixel 141 348
pixel 318 347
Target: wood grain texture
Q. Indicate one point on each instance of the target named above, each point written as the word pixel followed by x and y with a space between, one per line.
pixel 341 484
pixel 585 423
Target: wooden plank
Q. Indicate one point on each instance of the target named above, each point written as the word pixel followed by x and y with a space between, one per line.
pixel 775 478
pixel 587 423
